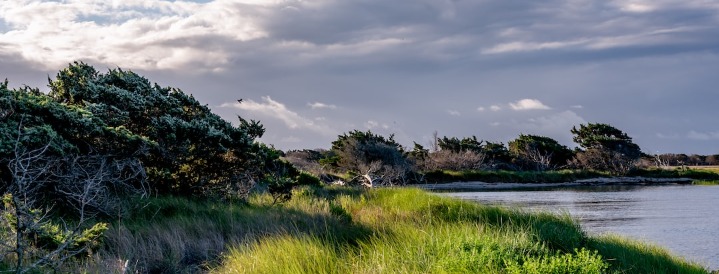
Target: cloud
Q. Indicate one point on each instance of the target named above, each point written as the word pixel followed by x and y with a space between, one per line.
pixel 555 125
pixel 531 46
pixel 528 104
pixel 367 60
pixel 703 136
pixel 454 113
pixel 371 124
pixel 136 34
pixel 277 110
pixel 318 105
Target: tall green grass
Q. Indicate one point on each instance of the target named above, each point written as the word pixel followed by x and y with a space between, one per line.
pixel 347 230
pixel 411 231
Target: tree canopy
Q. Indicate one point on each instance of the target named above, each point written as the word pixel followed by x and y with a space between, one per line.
pixel 606 138
pixel 185 148
pixel 606 148
pixel 539 152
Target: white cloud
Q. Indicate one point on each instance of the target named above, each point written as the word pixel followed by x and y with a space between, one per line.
pixel 703 136
pixel 135 34
pixel 528 104
pixel 577 107
pixel 635 6
pixel 481 109
pixel 495 108
pixel 454 113
pixel 371 124
pixel 318 105
pixel 277 110
pixel 532 46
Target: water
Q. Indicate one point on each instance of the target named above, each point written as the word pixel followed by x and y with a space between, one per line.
pixel 683 219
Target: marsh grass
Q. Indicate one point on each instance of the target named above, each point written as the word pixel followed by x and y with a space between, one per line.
pixel 505 176
pixel 706 182
pixel 696 173
pixel 411 231
pixel 631 256
pixel 350 230
pixel 178 235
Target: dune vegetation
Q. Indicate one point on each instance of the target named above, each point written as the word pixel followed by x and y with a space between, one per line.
pixel 352 230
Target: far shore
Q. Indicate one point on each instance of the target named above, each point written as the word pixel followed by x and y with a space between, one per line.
pixel 476 185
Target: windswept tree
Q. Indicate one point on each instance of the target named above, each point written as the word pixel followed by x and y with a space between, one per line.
pixel 193 151
pixel 57 160
pixel 373 157
pixel 539 152
pixel 605 148
pixel 456 145
pixel 497 155
pixel 467 153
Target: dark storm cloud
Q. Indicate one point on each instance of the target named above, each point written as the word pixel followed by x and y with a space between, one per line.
pixel 405 67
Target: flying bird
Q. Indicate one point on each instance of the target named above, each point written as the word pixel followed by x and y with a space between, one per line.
pixel 239 101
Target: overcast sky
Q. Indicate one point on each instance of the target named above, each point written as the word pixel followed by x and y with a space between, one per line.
pixel 312 69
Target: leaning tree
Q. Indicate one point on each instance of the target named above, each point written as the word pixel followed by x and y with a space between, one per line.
pixel 539 152
pixel 605 148
pixel 192 151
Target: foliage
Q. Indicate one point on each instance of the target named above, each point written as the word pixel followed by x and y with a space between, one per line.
pixel 539 152
pixel 605 148
pixel 185 148
pixel 493 155
pixel 358 147
pixel 372 157
pixel 454 161
pixel 605 138
pixel 457 145
pixel 582 261
pixel 44 188
pixel 32 120
pixel 32 241
pixel 497 155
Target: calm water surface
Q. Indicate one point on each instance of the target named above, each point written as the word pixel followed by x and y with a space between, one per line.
pixel 683 219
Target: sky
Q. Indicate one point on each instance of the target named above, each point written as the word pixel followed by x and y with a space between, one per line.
pixel 311 70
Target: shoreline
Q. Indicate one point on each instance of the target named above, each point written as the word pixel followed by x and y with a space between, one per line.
pixel 478 185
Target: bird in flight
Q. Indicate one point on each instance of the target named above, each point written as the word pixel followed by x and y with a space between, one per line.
pixel 239 101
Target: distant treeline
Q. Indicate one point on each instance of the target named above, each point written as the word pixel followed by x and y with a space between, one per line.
pixel 370 159
pixel 670 159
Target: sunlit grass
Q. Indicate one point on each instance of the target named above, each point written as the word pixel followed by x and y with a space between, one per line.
pixel 349 230
pixel 631 256
pixel 410 231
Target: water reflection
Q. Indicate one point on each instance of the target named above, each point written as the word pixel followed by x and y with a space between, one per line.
pixel 685 219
